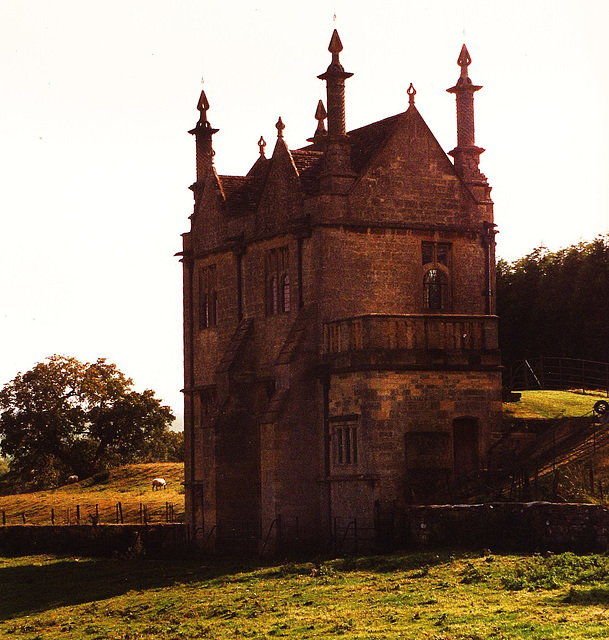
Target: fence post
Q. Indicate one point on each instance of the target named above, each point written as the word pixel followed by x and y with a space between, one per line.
pixel 583 376
pixel 141 513
pixel 52 516
pixel 77 514
pixel 97 513
pixel 3 517
pixel 23 516
pixel 120 509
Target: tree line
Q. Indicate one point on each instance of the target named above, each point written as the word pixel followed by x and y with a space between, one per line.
pixel 555 303
pixel 64 417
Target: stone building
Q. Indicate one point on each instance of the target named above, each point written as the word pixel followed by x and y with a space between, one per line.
pixel 340 342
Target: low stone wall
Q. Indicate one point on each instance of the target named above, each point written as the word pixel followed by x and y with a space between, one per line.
pixel 502 526
pixel 533 526
pixel 87 540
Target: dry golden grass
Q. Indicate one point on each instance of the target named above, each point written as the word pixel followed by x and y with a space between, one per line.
pixel 131 486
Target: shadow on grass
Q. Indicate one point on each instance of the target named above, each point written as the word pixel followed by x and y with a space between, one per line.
pixel 44 585
pixel 592 596
pixel 35 588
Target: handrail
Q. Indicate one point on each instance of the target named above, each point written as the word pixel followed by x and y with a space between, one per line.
pixel 275 522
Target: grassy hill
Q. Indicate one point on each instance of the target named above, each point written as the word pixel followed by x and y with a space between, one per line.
pixel 551 404
pixel 131 486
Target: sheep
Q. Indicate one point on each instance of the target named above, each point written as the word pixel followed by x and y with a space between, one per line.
pixel 72 480
pixel 159 483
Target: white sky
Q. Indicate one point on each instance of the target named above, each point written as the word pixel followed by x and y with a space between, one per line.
pixel 95 158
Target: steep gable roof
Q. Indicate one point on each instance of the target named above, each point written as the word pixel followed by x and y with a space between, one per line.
pixel 243 194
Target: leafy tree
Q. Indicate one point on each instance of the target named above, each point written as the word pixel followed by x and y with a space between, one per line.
pixel 556 303
pixel 66 417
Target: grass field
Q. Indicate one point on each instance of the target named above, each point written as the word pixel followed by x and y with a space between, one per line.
pixel 439 596
pixel 431 596
pixel 551 404
pixel 130 485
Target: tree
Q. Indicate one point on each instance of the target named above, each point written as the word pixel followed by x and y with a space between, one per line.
pixel 556 303
pixel 66 417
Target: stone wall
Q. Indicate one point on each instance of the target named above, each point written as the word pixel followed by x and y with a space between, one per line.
pixel 524 527
pixel 100 540
pixel 405 424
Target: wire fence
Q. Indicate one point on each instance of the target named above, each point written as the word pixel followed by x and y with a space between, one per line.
pixel 87 514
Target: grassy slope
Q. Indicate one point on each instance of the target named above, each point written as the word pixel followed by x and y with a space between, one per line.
pixel 129 485
pixel 551 404
pixel 435 596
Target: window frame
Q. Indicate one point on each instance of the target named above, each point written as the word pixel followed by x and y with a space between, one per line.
pixel 346 445
pixel 208 298
pixel 278 283
pixel 436 259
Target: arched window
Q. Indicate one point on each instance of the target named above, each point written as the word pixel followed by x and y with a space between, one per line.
pixel 435 290
pixel 285 292
pixel 278 294
pixel 436 262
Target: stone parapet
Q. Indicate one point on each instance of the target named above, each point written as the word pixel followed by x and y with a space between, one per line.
pixel 412 340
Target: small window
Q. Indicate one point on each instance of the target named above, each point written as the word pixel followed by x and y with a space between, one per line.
pixel 333 338
pixel 345 445
pixel 205 403
pixel 273 296
pixel 278 282
pixel 443 253
pixel 436 260
pixel 427 251
pixel 436 253
pixel 435 285
pixel 208 298
pixel 285 293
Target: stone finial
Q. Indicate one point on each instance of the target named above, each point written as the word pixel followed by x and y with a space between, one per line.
pixel 335 46
pixel 202 108
pixel 320 116
pixel 261 146
pixel 280 127
pixel 412 92
pixel 466 153
pixel 464 61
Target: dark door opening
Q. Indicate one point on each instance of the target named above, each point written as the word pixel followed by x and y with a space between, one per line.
pixel 465 446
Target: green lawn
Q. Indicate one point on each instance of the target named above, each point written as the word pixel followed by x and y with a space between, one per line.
pixel 551 404
pixel 440 596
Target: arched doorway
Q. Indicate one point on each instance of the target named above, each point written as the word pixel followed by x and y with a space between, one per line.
pixel 465 446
